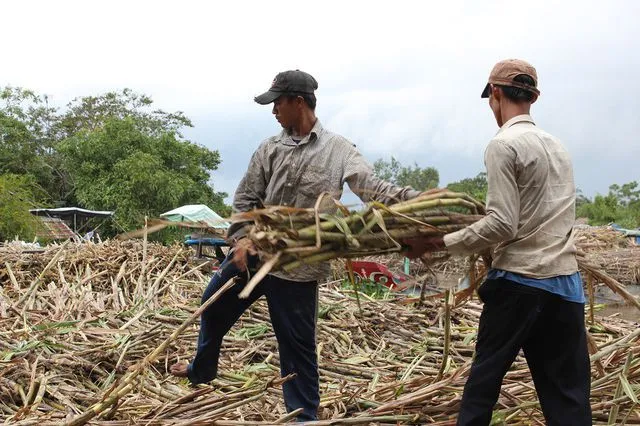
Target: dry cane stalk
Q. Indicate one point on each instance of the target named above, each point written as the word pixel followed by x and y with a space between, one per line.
pixel 355 285
pixel 447 332
pixel 609 282
pixel 262 272
pixel 127 383
pixel 613 414
pixel 591 297
pixel 36 282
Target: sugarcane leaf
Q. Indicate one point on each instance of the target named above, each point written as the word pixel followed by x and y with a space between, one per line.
pixel 61 324
pixel 626 386
pixel 399 391
pixel 357 360
pixel 380 220
pixel 258 367
pixel 498 418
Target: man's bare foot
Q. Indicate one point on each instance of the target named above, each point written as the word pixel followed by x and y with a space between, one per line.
pixel 179 369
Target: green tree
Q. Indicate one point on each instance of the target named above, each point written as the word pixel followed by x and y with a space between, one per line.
pixel 581 199
pixel 628 194
pixel 387 170
pixel 621 205
pixel 33 111
pixel 93 112
pixel 120 167
pixel 29 132
pixel 415 176
pixel 18 148
pixel 112 151
pixel 476 186
pixel 18 194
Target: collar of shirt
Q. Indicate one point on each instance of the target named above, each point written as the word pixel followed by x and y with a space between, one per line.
pixel 285 138
pixel 523 118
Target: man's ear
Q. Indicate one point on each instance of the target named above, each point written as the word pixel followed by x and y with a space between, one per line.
pixel 535 98
pixel 496 92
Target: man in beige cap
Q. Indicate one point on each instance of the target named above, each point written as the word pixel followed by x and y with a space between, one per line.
pixel 533 296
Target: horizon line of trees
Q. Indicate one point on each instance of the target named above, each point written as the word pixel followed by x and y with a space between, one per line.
pixel 115 151
pixel 620 205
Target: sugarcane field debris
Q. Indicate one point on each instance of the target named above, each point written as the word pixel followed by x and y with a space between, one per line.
pixel 90 329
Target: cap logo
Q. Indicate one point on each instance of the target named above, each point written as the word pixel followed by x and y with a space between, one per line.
pixel 273 83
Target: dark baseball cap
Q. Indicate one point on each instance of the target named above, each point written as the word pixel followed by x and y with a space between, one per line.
pixel 505 71
pixel 288 82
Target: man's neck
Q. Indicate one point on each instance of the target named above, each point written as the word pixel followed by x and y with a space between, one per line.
pixel 510 110
pixel 303 128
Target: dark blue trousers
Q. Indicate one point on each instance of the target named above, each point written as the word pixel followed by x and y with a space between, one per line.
pixel 293 311
pixel 551 333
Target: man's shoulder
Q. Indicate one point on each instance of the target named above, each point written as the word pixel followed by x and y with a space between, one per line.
pixel 524 128
pixel 522 133
pixel 499 142
pixel 335 138
pixel 270 141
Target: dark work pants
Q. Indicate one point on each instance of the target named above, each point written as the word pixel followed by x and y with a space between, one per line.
pixel 551 333
pixel 293 312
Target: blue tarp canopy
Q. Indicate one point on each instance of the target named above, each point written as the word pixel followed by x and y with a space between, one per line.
pixel 633 233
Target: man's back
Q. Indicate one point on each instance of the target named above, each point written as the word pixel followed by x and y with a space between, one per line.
pixel 542 245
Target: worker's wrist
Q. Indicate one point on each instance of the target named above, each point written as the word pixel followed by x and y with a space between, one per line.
pixel 233 240
pixel 242 241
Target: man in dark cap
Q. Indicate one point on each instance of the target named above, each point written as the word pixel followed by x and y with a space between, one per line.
pixel 533 296
pixel 292 168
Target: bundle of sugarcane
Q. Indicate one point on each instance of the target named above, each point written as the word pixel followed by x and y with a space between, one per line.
pixel 287 238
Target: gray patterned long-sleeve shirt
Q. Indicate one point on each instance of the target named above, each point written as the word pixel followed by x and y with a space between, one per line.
pixel 288 173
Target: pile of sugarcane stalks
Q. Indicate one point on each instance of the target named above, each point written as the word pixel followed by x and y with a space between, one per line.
pixel 609 251
pixel 87 332
pixel 622 264
pixel 599 238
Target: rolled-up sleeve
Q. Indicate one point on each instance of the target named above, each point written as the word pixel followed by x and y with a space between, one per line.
pixel 363 182
pixel 503 204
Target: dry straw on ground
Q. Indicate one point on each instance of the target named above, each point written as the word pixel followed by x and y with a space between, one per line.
pixel 77 320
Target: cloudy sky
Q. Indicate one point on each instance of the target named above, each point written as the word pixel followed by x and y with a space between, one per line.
pixel 397 78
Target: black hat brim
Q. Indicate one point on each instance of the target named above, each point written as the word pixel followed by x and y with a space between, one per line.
pixel 267 97
pixel 487 91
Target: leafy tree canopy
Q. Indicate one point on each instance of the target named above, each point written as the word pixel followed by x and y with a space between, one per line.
pixel 120 167
pixel 476 186
pixel 18 194
pixel 415 176
pixel 113 151
pixel 621 205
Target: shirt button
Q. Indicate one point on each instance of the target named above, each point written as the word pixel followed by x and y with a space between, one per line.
pixel 289 184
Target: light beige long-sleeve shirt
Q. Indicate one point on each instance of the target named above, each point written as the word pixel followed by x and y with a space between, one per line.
pixel 288 173
pixel 530 204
